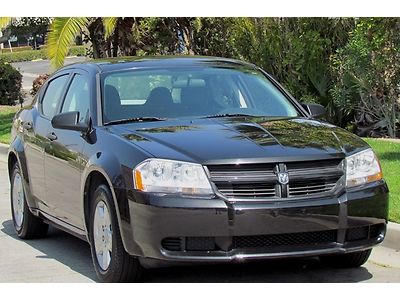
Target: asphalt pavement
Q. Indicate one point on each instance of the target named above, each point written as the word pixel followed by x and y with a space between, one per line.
pixel 61 257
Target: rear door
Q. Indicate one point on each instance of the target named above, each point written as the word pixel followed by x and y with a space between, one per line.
pixel 35 135
pixel 63 160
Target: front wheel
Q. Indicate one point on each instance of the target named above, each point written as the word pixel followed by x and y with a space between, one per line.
pixel 112 263
pixel 349 260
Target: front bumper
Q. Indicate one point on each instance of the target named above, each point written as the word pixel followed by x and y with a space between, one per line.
pixel 349 221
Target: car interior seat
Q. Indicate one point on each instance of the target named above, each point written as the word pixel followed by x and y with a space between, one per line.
pixel 159 102
pixel 113 109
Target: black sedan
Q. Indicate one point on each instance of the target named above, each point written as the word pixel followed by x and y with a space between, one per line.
pixel 169 160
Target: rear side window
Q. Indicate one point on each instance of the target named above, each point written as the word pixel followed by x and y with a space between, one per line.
pixel 53 95
pixel 78 97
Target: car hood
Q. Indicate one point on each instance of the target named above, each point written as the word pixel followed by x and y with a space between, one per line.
pixel 240 139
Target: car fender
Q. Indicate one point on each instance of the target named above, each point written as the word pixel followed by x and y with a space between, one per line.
pixel 17 148
pixel 110 167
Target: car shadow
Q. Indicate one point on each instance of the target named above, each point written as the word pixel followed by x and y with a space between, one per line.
pixel 60 246
pixel 273 271
pixel 75 254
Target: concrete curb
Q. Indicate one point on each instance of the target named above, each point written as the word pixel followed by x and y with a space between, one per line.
pixel 392 239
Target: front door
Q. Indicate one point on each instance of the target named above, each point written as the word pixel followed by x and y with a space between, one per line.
pixel 63 160
pixel 35 136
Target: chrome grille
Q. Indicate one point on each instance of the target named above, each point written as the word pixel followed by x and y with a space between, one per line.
pixel 247 190
pixel 308 188
pixel 242 173
pixel 257 181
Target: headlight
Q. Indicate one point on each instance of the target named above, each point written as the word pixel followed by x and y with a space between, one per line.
pixel 362 167
pixel 168 176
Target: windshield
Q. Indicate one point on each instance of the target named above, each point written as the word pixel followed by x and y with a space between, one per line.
pixel 194 92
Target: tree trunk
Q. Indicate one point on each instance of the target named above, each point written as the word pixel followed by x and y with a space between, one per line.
pixel 96 37
pixel 115 41
pixel 186 28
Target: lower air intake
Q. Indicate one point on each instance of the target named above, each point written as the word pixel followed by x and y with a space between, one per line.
pixel 287 239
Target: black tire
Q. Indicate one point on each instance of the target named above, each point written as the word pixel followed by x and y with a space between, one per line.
pixel 349 260
pixel 32 227
pixel 122 267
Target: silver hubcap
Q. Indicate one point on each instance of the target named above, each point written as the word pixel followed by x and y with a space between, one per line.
pixel 102 235
pixel 18 201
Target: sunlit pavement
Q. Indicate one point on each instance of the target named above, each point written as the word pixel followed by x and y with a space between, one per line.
pixel 61 257
pixel 32 69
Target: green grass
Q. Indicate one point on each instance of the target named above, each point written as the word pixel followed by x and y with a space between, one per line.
pixel 6 116
pixel 389 156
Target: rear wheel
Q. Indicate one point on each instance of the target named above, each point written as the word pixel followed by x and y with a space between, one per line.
pixel 112 263
pixel 27 225
pixel 349 260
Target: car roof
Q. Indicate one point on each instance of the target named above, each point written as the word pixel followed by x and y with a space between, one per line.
pixel 126 63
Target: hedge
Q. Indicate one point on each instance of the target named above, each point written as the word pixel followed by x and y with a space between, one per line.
pixel 10 85
pixel 29 55
pixel 16 49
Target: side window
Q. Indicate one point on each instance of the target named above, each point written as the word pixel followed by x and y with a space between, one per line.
pixel 78 97
pixel 53 95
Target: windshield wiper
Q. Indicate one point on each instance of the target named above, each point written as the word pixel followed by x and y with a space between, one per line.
pixel 227 115
pixel 133 120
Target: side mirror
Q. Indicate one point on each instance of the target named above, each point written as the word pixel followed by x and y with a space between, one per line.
pixel 69 120
pixel 314 110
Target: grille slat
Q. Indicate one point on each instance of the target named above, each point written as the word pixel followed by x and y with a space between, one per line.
pixel 255 195
pixel 172 244
pixel 251 181
pixel 249 190
pixel 309 191
pixel 234 176
pixel 324 186
pixel 251 193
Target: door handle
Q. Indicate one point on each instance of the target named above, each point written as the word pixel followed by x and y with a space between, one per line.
pixel 27 125
pixel 51 136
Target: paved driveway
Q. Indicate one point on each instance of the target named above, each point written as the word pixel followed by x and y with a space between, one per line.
pixel 64 258
pixel 32 69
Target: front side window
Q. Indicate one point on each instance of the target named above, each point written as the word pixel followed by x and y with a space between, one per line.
pixel 53 95
pixel 193 92
pixel 78 97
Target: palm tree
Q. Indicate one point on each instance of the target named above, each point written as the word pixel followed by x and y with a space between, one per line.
pixel 111 36
pixel 4 21
pixel 64 30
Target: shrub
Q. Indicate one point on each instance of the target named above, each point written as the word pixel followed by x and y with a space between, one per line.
pixel 38 82
pixel 10 85
pixel 16 49
pixel 23 56
pixel 368 77
pixel 77 51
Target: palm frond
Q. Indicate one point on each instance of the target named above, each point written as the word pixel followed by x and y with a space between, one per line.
pixel 61 36
pixel 109 26
pixel 4 21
